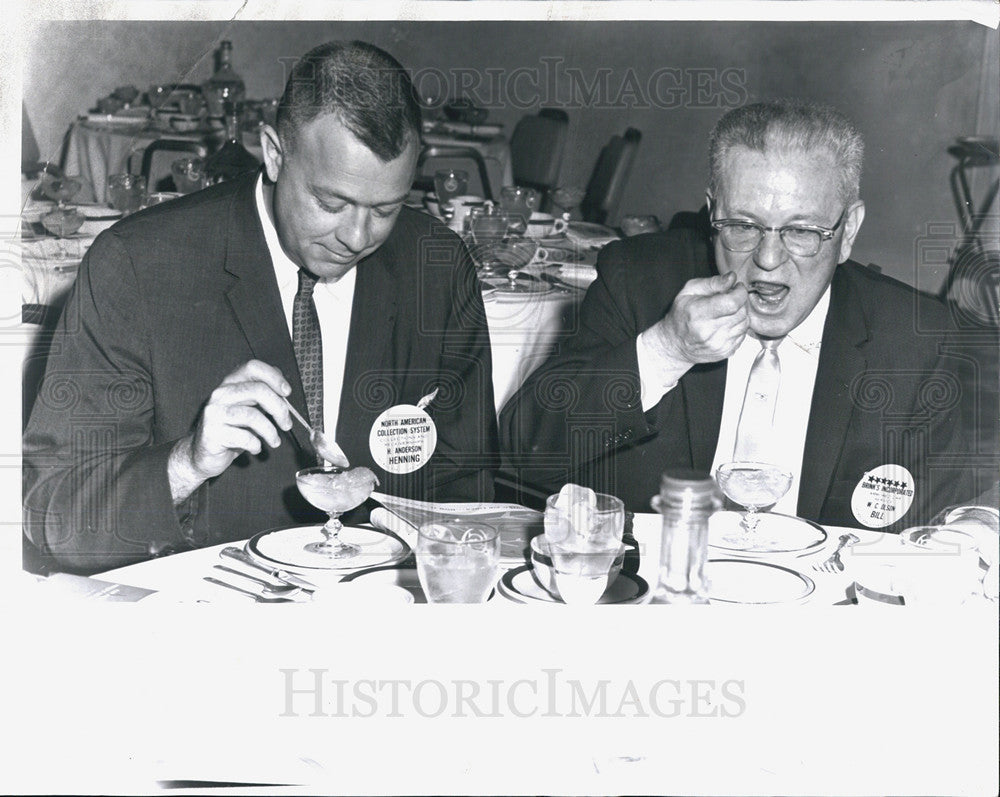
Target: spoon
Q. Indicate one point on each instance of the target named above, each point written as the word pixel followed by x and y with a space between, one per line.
pixel 325 447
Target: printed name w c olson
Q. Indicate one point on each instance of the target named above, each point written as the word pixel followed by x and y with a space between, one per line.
pixel 314 692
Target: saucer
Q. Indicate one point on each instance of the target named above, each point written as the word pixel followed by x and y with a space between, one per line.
pixel 518 585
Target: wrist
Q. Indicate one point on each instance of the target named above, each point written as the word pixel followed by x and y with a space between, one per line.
pixel 182 474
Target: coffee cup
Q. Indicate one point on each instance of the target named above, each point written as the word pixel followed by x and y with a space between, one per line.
pixel 544 225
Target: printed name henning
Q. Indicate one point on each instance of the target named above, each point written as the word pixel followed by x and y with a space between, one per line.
pixel 313 693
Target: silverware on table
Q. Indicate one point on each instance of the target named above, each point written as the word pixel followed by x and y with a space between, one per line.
pixel 833 564
pixel 562 287
pixel 278 590
pixel 260 597
pixel 232 552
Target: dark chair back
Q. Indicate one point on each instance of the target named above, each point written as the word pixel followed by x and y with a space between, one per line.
pixel 607 184
pixel 536 149
pixel 160 154
pixel 447 157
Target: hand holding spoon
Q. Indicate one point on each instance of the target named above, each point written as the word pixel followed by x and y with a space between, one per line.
pixel 325 447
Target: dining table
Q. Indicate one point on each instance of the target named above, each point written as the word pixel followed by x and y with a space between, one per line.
pixel 98 147
pixel 764 578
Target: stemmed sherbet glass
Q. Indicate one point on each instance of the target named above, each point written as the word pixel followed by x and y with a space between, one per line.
pixel 567 199
pixel 754 486
pixel 62 221
pixel 584 532
pixel 335 491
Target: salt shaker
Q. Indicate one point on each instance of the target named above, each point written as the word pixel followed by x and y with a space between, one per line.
pixel 686 501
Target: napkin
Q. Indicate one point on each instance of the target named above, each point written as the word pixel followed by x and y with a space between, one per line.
pixel 578 274
pixel 56 248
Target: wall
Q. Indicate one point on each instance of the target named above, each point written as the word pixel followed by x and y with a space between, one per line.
pixel 912 88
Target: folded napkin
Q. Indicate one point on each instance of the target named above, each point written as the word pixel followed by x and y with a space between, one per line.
pixel 578 273
pixel 56 248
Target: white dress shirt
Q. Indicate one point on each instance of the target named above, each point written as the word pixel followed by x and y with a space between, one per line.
pixel 799 357
pixel 333 300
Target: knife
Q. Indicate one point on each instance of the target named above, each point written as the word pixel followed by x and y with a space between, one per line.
pixel 281 575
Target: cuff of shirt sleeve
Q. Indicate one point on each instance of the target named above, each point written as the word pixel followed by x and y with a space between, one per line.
pixel 654 380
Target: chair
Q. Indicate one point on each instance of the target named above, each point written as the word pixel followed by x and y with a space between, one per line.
pixel 156 169
pixel 607 184
pixel 449 155
pixel 536 149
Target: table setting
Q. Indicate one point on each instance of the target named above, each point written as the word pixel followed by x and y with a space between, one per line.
pixel 584 549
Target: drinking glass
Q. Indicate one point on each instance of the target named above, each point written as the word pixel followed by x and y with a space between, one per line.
pixel 335 491
pixel 584 538
pixel 189 174
pixel 518 203
pixel 566 199
pixel 754 486
pixel 126 192
pixel 457 560
pixel 450 183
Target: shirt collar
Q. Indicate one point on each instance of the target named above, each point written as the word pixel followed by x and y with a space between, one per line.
pixel 809 334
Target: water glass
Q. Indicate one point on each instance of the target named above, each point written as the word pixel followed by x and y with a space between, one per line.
pixel 584 535
pixel 518 203
pixel 457 560
pixel 126 192
pixel 189 174
pixel 450 183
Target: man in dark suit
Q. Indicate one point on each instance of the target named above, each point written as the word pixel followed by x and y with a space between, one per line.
pixel 767 344
pixel 161 423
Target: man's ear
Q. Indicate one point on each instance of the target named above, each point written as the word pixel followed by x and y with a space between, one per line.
pixel 852 223
pixel 273 152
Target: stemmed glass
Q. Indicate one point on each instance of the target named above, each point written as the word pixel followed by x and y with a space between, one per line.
pixel 754 486
pixel 567 199
pixel 335 491
pixel 62 221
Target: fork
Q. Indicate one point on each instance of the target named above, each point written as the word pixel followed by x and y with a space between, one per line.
pixel 833 564
pixel 264 596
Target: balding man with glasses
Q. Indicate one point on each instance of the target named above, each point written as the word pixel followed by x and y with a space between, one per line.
pixel 760 342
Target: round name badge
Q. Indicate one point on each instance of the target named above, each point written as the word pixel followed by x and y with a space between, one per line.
pixel 403 438
pixel 883 496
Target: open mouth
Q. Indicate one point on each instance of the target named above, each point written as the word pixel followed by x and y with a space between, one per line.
pixel 767 293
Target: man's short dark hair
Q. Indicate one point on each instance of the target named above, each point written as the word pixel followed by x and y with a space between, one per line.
pixel 367 88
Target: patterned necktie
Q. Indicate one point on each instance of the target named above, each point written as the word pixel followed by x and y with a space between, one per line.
pixel 755 434
pixel 308 344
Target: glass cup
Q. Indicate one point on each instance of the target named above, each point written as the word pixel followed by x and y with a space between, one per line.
pixel 457 560
pixel 584 532
pixel 189 174
pixel 126 192
pixel 518 203
pixel 450 183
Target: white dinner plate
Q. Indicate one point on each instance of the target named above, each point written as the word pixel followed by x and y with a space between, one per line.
pixel 286 547
pixel 744 581
pixel 776 533
pixel 519 586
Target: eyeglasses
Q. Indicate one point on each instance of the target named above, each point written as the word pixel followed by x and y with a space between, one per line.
pixel 739 235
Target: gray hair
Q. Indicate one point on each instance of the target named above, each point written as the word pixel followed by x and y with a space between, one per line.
pixel 790 124
pixel 367 88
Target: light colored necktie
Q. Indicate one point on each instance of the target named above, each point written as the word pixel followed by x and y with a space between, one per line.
pixel 308 345
pixel 755 433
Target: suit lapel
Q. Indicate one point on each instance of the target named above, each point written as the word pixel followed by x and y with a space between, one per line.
pixel 373 317
pixel 256 302
pixel 841 361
